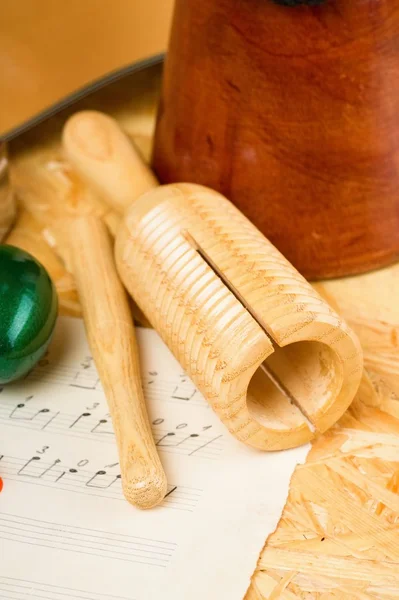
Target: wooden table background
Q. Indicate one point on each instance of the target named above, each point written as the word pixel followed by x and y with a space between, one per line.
pixel 50 49
pixel 338 537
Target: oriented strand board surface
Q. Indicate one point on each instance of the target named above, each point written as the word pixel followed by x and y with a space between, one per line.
pixel 338 537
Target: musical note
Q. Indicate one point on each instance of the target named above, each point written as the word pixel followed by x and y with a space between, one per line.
pixel 26 417
pixel 185 390
pixel 93 406
pixel 99 427
pixel 179 438
pixel 100 482
pixel 31 415
pixel 29 469
pixel 85 414
pixel 169 434
pixel 84 376
pixel 153 375
pixel 93 482
pixel 180 442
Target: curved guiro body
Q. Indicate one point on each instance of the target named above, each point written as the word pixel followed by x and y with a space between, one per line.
pixel 28 312
pixel 275 362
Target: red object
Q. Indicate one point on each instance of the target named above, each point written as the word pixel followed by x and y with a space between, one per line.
pixel 293 114
pixel 1 484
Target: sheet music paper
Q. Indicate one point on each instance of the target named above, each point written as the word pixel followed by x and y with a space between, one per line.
pixel 66 531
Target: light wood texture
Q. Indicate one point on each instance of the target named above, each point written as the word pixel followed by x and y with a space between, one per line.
pixel 105 157
pixel 55 193
pixel 110 331
pixel 265 350
pixel 264 381
pixel 27 234
pixel 7 200
pixel 320 550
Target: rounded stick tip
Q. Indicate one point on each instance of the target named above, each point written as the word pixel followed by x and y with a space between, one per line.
pixel 146 493
pixel 86 133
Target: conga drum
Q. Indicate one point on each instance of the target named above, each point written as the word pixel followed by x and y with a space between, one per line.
pixel 291 112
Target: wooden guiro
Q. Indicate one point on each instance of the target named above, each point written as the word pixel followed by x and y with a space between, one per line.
pixel 272 358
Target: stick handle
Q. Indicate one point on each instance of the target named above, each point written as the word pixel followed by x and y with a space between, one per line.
pixel 106 158
pixel 111 336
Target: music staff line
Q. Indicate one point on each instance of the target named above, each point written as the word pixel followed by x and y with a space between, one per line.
pixel 154 387
pixel 176 440
pixel 21 589
pixel 99 483
pixel 100 543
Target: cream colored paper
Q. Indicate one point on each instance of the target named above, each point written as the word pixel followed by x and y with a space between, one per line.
pixel 65 529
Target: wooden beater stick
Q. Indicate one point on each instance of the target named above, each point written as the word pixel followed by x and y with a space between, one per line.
pixel 111 336
pixel 106 159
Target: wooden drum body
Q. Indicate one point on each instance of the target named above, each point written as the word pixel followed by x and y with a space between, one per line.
pixel 293 114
